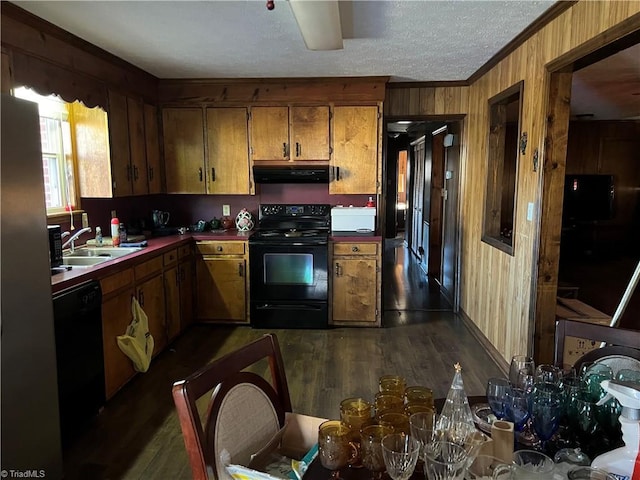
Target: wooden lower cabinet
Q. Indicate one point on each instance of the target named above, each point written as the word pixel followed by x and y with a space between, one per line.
pixel 117 292
pixel 178 291
pixel 221 282
pixel 186 273
pixel 151 298
pixel 355 284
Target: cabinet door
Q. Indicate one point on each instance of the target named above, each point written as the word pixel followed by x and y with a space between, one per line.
pixel 137 147
pixel 228 151
pixel 309 133
pixel 119 145
pixel 151 298
pixel 186 272
pixel 116 317
pixel 221 289
pixel 355 150
pixel 172 301
pixel 354 290
pixel 183 132
pixel 152 144
pixel 269 133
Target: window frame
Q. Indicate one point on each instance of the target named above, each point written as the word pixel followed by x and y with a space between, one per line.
pixel 496 155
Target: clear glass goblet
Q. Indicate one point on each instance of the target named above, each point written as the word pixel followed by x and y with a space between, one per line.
pixel 400 453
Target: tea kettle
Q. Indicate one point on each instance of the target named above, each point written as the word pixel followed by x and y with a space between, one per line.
pixel 160 218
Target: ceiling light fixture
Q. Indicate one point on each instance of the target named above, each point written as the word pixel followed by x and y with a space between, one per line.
pixel 319 23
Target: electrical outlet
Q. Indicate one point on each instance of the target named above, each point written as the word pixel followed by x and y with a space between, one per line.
pixel 226 210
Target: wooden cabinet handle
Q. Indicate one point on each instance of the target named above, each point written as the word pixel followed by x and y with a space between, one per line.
pixel 355 248
pixel 213 174
pixel 337 174
pixel 240 270
pixel 284 149
pixel 141 298
pixel 337 269
pixel 298 149
pixel 219 248
pixel 177 277
pixel 150 173
pixel 200 173
pixel 128 172
pixel 135 173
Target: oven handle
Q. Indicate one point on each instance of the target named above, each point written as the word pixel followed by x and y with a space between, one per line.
pixel 267 306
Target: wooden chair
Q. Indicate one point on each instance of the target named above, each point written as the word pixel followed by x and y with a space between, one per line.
pixel 244 412
pixel 622 349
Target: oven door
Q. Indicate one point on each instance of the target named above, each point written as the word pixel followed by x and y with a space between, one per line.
pixel 288 285
pixel 288 272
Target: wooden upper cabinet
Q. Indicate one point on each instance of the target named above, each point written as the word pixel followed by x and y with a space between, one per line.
pixel 119 145
pixel 228 151
pixel 137 147
pixel 290 133
pixel 355 150
pixel 269 133
pixel 152 144
pixel 309 133
pixel 183 133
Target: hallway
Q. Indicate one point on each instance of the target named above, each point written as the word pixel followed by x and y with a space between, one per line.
pixel 407 292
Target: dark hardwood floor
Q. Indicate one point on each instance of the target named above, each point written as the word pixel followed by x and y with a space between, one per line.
pixel 137 435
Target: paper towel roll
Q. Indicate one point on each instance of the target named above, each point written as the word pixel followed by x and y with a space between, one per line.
pixel 502 436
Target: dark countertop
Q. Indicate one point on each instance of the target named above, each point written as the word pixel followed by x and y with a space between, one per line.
pixel 75 276
pixel 355 237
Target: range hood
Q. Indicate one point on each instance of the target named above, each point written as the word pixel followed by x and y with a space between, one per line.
pixel 291 174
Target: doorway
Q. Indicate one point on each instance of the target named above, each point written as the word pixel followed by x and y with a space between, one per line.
pixel 586 145
pixel 421 204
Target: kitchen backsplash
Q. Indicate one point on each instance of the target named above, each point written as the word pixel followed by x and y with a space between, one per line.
pixel 186 210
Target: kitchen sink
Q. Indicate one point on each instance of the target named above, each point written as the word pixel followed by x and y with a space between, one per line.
pixel 83 261
pixel 101 252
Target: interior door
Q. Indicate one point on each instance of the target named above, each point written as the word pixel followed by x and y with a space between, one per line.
pixel 436 207
pixel 449 264
pixel 418 156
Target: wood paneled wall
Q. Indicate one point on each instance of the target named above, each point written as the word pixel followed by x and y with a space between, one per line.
pixel 497 289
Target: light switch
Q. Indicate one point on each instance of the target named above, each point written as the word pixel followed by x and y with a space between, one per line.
pixel 226 210
pixel 530 211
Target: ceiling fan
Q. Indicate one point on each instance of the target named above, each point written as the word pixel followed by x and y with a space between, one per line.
pixel 318 21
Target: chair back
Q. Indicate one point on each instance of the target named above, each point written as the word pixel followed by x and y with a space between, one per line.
pixel 245 410
pixel 622 348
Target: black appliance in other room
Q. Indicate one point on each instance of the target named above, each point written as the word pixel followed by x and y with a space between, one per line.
pixel 79 354
pixel 288 258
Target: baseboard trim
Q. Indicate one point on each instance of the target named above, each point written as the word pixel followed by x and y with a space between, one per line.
pixel 495 355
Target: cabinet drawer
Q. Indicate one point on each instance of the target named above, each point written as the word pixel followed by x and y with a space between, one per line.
pixel 170 257
pixel 184 251
pixel 116 281
pixel 221 248
pixel 348 248
pixel 148 268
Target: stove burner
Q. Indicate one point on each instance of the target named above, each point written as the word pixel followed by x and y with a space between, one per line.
pixel 292 233
pixel 269 234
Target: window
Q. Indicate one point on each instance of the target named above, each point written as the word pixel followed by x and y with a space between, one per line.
pixel 57 153
pixel 502 168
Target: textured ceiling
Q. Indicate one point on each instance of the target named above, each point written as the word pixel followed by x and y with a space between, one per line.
pixel 416 40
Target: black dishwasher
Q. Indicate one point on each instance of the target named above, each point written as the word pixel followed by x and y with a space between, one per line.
pixel 79 356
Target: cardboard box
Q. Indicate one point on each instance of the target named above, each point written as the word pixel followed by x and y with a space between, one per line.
pixel 573 309
pixel 287 455
pixel 353 219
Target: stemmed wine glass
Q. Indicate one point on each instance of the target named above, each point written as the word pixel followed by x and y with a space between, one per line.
pixel 400 452
pixel 546 411
pixel 517 407
pixel 497 394
pixel 521 366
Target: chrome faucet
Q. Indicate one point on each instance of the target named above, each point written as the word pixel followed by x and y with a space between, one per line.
pixel 73 238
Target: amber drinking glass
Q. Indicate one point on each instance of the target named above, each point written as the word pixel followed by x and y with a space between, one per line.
pixel 371 449
pixel 334 446
pixel 355 412
pixel 394 384
pixel 417 395
pixel 387 402
pixel 398 421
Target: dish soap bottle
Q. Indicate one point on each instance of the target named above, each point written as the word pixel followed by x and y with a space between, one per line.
pixel 98 237
pixel 370 203
pixel 623 462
